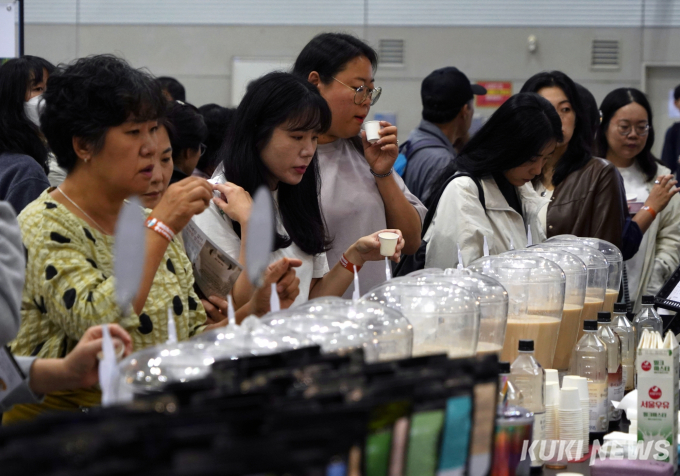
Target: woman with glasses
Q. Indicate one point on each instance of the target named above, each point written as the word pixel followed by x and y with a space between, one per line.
pixel 625 137
pixel 187 131
pixel 581 195
pixel 273 143
pixel 359 191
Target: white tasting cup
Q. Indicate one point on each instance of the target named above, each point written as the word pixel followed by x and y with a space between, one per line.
pixel 372 129
pixel 388 243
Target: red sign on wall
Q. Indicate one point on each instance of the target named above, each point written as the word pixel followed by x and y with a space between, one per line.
pixel 497 93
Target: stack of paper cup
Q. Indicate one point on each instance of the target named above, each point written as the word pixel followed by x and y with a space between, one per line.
pixel 552 401
pixel 551 375
pixel 571 418
pixel 581 383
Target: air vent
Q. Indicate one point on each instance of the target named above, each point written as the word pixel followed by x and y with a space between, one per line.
pixel 391 52
pixel 605 55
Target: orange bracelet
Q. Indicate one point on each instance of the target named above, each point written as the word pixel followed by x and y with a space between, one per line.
pixel 345 263
pixel 161 228
pixel 650 210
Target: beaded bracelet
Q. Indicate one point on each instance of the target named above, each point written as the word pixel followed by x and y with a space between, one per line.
pixel 161 228
pixel 381 175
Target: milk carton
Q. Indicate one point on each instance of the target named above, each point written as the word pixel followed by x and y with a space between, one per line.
pixel 657 381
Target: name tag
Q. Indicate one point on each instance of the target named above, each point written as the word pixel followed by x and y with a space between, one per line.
pixel 11 375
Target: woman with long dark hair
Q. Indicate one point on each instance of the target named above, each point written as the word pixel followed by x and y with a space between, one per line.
pixel 493 198
pixel 582 195
pixel 359 192
pixel 625 137
pixel 272 143
pixel 23 152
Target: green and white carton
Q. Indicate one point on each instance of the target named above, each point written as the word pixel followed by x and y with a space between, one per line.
pixel 657 383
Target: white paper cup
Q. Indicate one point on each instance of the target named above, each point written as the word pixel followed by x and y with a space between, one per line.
pixel 569 399
pixel 552 394
pixel 388 243
pixel 580 383
pixel 372 129
pixel 551 375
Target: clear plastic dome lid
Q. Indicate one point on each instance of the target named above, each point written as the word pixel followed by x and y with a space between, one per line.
pixel 614 258
pixel 331 327
pixel 154 367
pixel 598 272
pixel 493 299
pixel 444 316
pixel 576 274
pixel 486 288
pixel 610 250
pixel 428 272
pixel 595 261
pixel 391 332
pixel 535 287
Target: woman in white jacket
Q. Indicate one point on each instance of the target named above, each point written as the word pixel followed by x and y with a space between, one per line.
pixel 503 157
pixel 625 137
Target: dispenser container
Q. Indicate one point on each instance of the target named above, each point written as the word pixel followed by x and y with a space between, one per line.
pixel 576 275
pixel 614 259
pixel 493 300
pixel 154 367
pixel 391 333
pixel 535 289
pixel 445 317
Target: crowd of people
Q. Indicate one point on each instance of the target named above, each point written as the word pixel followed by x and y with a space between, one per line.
pixel 78 139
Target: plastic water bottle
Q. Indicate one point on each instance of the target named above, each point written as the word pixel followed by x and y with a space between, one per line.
pixel 507 392
pixel 622 328
pixel 614 370
pixel 529 378
pixel 591 363
pixel 647 318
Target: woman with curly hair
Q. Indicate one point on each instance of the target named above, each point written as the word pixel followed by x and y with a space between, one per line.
pixel 101 120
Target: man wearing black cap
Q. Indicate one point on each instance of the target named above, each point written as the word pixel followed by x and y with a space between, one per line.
pixel 447 97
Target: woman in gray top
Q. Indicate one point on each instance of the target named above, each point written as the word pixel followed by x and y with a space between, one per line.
pixel 359 191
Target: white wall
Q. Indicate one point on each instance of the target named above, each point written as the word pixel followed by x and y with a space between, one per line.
pixel 178 38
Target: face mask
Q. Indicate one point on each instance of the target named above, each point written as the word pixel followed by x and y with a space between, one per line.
pixel 33 107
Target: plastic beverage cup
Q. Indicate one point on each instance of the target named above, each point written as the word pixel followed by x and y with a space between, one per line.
pixel 388 243
pixel 372 129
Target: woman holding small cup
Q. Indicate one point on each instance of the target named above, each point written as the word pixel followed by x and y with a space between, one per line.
pixel 625 138
pixel 273 143
pixel 359 191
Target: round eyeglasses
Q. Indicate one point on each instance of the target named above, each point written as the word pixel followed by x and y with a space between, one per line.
pixel 625 129
pixel 362 93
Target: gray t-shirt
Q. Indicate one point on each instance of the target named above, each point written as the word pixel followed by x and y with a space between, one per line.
pixel 352 205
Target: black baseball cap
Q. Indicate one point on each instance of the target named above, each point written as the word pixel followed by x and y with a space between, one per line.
pixel 445 90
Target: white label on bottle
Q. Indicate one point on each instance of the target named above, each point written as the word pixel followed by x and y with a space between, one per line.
pixel 616 391
pixel 538 434
pixel 599 415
